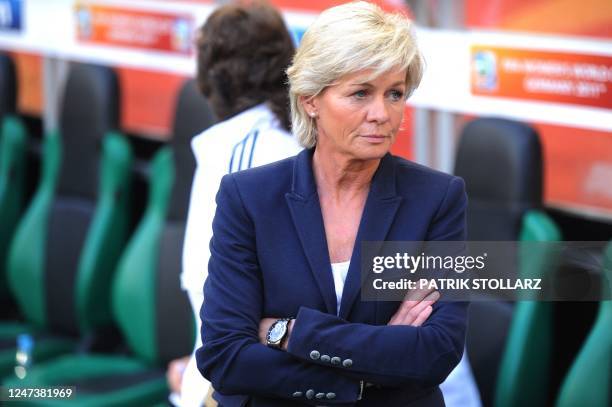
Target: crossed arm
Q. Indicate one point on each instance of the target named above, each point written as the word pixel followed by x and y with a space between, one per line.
pixel 413 311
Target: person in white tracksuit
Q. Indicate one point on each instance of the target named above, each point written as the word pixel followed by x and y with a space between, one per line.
pixel 243 51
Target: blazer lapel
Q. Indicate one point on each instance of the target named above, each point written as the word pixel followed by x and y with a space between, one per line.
pixel 305 209
pixel 378 215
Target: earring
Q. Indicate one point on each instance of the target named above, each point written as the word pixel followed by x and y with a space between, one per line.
pixel 313 114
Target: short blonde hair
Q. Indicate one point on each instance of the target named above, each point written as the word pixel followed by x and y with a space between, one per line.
pixel 346 39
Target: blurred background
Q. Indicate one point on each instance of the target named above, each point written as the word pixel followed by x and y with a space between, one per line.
pixel 98 106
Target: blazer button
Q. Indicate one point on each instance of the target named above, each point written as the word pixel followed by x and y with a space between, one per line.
pixel 331 396
pixel 335 360
pixel 347 363
pixel 320 395
pixel 297 394
pixel 325 358
pixel 314 355
pixel 310 394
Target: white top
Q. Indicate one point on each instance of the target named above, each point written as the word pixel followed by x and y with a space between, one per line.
pixel 249 139
pixel 339 270
pixel 460 388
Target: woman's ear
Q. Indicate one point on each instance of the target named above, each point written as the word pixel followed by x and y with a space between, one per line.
pixel 309 104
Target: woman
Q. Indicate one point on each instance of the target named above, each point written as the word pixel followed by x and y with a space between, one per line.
pixel 283 324
pixel 243 52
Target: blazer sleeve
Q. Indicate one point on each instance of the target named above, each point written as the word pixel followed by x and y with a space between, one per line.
pixel 231 356
pixel 394 355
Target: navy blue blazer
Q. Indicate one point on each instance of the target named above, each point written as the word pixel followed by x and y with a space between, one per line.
pixel 269 258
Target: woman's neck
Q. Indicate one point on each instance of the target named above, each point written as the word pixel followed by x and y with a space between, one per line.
pixel 339 177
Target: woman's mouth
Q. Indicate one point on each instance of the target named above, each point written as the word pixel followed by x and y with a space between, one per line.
pixel 374 138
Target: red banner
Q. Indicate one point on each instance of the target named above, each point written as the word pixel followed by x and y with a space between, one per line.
pixel 150 30
pixel 558 77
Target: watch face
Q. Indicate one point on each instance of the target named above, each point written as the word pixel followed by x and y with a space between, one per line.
pixel 278 331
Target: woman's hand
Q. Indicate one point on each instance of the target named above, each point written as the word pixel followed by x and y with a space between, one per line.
pixel 174 373
pixel 416 307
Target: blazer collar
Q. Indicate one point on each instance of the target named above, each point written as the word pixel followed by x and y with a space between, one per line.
pixel 304 186
pixel 378 215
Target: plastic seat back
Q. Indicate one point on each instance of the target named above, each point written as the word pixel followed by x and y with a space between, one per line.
pixel 501 163
pixel 156 320
pixel 134 287
pixel 525 366
pixel 8 86
pixel 12 171
pixel 25 266
pixel 12 188
pixel 66 248
pixel 192 115
pixel 589 380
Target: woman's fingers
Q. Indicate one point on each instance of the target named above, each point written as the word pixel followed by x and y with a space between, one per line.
pixel 422 317
pixel 416 311
pixel 418 294
pixel 411 299
pixel 410 310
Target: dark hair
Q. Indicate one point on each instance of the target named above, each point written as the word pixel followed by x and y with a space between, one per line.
pixel 243 51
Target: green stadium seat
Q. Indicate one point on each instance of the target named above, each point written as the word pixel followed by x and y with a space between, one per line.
pixel 589 381
pixel 13 141
pixel 140 298
pixel 66 246
pixel 524 369
pixel 501 163
pixel 149 306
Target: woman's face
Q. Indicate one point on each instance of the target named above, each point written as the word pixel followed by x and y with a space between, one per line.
pixel 359 117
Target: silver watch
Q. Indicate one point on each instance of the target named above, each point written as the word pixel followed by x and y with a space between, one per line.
pixel 277 332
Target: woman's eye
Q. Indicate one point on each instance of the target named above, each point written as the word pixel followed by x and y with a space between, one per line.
pixel 360 94
pixel 397 95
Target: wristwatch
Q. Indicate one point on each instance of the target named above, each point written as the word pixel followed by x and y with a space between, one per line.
pixel 277 332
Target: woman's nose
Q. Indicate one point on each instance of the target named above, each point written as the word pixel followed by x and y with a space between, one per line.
pixel 378 110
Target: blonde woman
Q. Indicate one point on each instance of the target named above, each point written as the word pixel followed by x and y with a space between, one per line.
pixel 283 322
